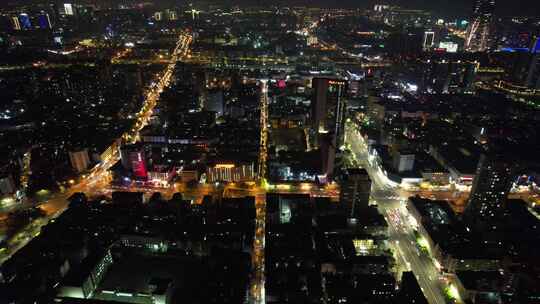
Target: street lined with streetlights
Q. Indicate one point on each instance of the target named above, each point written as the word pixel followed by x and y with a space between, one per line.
pixel 258 256
pixel 390 202
pixel 98 178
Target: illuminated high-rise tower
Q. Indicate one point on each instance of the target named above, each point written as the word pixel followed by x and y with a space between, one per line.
pixel 328 108
pixel 478 31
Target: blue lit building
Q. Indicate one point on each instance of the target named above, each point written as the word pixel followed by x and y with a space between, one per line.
pixel 25 21
pixel 533 48
pixel 44 21
pixel 526 68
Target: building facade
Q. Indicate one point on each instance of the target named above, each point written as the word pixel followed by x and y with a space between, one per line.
pixel 490 189
pixel 133 159
pixel 79 160
pixel 328 108
pixel 355 189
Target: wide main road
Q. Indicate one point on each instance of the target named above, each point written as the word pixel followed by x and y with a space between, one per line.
pixel 143 116
pixel 390 202
pixel 258 279
pixel 98 178
pixel 257 290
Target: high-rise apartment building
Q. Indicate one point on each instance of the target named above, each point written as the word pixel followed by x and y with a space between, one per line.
pixel 491 185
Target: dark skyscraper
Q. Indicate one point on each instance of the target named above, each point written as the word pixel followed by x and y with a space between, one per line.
pixel 477 39
pixel 328 108
pixel 533 74
pixel 328 154
pixel 355 191
pixel 491 185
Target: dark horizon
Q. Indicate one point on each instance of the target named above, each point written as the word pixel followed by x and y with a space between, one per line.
pixel 457 8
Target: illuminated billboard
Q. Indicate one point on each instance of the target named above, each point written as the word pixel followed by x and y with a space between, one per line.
pixel 450 47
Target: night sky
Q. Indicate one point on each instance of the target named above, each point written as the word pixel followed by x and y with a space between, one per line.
pixel 454 8
pixel 445 7
pixel 464 7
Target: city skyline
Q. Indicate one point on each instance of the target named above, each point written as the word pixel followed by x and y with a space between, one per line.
pixel 455 9
pixel 261 153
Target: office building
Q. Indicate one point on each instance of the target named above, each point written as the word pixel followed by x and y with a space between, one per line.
pixel 16 23
pixel 448 76
pixel 79 160
pixel 231 172
pixel 328 154
pixel 406 41
pixel 477 39
pixel 68 9
pixel 84 284
pixel 429 40
pixel 355 188
pixel 7 185
pixel 380 7
pixel 44 21
pixel 525 68
pixel 161 174
pixel 214 102
pixel 25 21
pixel 312 40
pixel 328 108
pixel 133 159
pixel 318 106
pixel 491 185
pixel 403 161
pixel 172 15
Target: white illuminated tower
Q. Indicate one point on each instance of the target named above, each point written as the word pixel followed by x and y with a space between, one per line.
pixel 479 26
